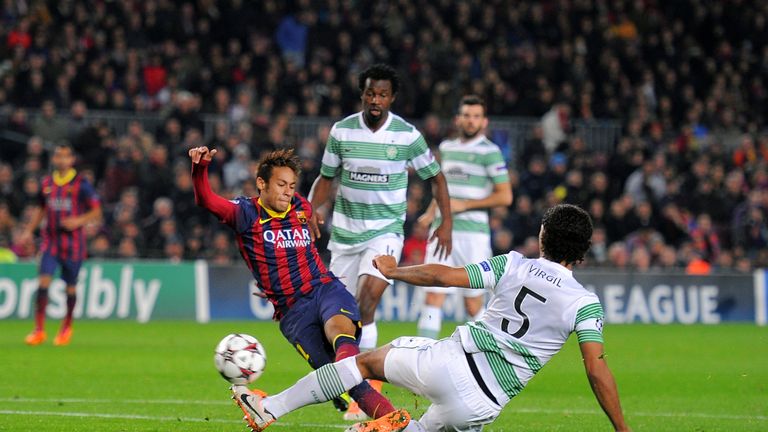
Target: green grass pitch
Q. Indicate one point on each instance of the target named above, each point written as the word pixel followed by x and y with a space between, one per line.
pixel 123 376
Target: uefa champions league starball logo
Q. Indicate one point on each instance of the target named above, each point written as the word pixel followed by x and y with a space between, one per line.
pixel 599 324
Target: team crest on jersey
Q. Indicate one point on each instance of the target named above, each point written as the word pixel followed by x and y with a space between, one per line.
pixel 392 152
pixel 301 216
pixel 46 190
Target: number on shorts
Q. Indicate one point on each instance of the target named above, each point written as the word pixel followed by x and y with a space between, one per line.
pixel 518 307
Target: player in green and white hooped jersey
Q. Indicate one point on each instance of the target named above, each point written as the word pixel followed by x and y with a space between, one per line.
pixel 370 152
pixel 477 181
pixel 535 305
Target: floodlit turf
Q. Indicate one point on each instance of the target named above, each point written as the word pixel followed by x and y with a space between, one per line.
pixel 123 376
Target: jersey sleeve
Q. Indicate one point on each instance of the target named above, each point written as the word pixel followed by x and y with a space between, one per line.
pixel 88 195
pixel 422 159
pixel 589 320
pixel 496 167
pixel 205 197
pixel 331 156
pixel 244 212
pixel 487 273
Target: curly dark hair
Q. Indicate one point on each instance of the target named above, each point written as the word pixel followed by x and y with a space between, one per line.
pixel 277 158
pixel 567 233
pixel 379 72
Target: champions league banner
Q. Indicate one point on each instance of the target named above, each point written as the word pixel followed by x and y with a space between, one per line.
pixel 626 297
pixel 145 291
pixel 674 298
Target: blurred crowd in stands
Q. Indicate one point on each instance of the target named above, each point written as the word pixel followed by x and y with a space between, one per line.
pixel 686 185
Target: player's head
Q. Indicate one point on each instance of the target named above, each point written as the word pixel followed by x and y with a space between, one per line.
pixel 566 233
pixel 471 119
pixel 276 179
pixel 63 157
pixel 378 87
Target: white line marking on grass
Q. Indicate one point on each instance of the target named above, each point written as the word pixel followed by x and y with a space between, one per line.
pixel 120 401
pixel 154 418
pixel 517 410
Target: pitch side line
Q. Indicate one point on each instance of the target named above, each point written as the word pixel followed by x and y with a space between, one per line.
pixel 120 401
pixel 155 418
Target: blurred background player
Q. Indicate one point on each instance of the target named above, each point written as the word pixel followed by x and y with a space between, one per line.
pixel 477 181
pixel 67 201
pixel 370 152
pixel 317 314
pixel 470 376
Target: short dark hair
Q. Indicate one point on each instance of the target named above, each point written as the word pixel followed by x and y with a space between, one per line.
pixel 379 72
pixel 277 158
pixel 472 99
pixel 567 233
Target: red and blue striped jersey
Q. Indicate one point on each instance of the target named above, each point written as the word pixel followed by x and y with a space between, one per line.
pixel 279 251
pixel 62 201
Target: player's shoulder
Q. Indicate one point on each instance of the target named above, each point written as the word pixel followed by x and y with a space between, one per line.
pixel 487 146
pixel 399 124
pixel 300 200
pixel 245 202
pixel 351 121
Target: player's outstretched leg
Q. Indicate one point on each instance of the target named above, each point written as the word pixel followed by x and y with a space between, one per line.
pixel 395 421
pixel 250 402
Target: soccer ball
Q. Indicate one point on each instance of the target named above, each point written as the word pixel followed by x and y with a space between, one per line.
pixel 240 358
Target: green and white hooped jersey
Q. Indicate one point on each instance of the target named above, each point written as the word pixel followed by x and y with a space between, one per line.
pixel 372 166
pixel 535 305
pixel 471 169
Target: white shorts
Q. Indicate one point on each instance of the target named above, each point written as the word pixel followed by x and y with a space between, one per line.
pixel 438 370
pixel 351 263
pixel 468 248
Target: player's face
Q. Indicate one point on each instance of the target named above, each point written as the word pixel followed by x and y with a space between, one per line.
pixel 471 120
pixel 63 159
pixel 377 98
pixel 276 194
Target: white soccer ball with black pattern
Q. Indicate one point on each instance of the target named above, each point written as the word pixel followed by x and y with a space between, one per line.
pixel 240 358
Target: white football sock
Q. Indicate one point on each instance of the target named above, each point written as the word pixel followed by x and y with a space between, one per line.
pixel 369 337
pixel 318 386
pixel 430 321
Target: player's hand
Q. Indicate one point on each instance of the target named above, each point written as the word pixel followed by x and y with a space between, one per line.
pixel 386 264
pixel 314 225
pixel 71 223
pixel 458 206
pixel 443 236
pixel 201 153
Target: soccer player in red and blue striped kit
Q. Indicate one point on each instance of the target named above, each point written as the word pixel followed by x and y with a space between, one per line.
pixel 317 314
pixel 68 202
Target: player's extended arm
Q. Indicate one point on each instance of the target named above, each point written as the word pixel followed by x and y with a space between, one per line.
pixel 424 274
pixel 443 233
pixel 318 196
pixel 500 197
pixel 602 383
pixel 204 196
